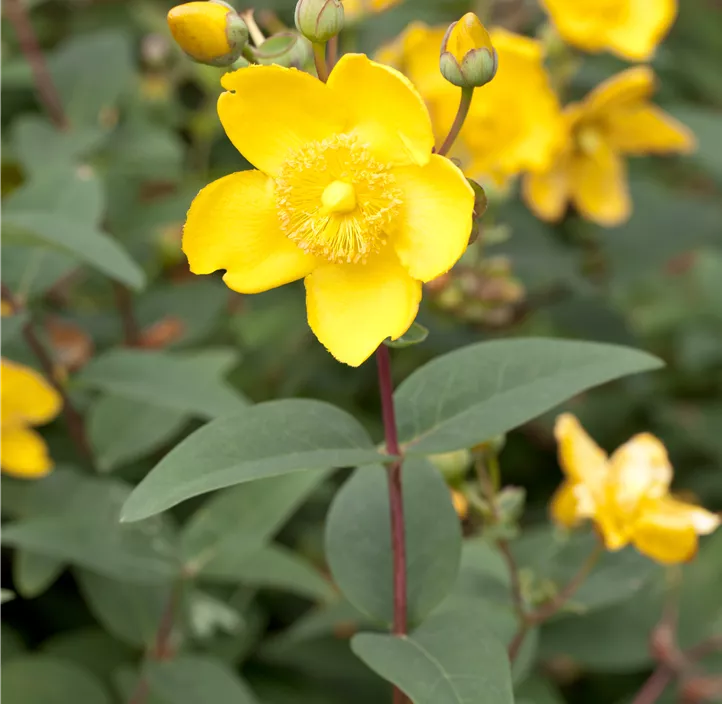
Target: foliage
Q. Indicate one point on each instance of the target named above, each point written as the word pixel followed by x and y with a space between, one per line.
pixel 217 524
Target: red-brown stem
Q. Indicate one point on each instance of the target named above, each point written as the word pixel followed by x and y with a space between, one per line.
pixel 161 646
pixel 124 303
pixel 319 58
pixel 464 104
pixel 332 53
pixel 18 17
pixel 654 687
pixel 396 502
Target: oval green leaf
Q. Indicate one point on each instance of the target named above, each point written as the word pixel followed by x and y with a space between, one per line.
pixel 469 395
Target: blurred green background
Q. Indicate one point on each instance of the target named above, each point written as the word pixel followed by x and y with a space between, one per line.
pixel 145 139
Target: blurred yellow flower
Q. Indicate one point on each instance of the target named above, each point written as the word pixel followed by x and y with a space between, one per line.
pixel 514 123
pixel 615 119
pixel 27 400
pixel 460 503
pixel 626 495
pixel 629 28
pixel 356 9
pixel 347 194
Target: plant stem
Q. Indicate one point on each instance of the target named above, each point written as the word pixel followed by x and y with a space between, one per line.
pixel 161 646
pixel 396 503
pixel 464 104
pixel 654 687
pixel 319 57
pixel 332 52
pixel 124 303
pixel 18 17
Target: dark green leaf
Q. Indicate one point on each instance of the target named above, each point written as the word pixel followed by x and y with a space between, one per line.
pixel 41 679
pixel 182 383
pixel 358 543
pixel 474 393
pixel 452 658
pixel 274 438
pixel 33 573
pixel 197 680
pixel 123 429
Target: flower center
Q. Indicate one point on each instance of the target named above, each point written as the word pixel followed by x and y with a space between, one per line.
pixel 336 201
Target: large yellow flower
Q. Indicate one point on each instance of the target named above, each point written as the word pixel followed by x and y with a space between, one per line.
pixel 626 495
pixel 615 119
pixel 27 400
pixel 514 123
pixel 629 28
pixel 347 194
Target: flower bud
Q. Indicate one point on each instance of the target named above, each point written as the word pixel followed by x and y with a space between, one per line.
pixel 453 465
pixel 209 32
pixel 285 49
pixel 319 20
pixel 468 59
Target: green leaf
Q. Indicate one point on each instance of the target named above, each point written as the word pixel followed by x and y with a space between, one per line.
pixel 130 612
pixel 41 679
pixel 33 574
pixel 197 680
pixel 6 595
pixel 467 396
pixel 273 567
pixel 38 143
pixel 413 336
pixel 274 438
pixel 83 241
pixel 45 496
pixel 537 690
pixel 32 271
pixel 238 521
pixel 451 658
pixel 90 648
pixel 122 429
pixel 358 542
pixel 85 531
pixel 91 71
pixel 13 325
pixel 180 382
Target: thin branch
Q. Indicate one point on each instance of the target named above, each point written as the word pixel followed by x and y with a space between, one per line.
pixel 17 15
pixel 654 687
pixel 124 304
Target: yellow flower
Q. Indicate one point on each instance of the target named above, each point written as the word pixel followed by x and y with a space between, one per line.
pixel 209 32
pixel 514 123
pixel 615 119
pixel 347 194
pixel 27 400
pixel 629 28
pixel 356 9
pixel 626 495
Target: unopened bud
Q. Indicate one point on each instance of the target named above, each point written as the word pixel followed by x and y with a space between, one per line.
pixel 319 20
pixel 468 59
pixel 209 32
pixel 460 503
pixel 453 465
pixel 285 49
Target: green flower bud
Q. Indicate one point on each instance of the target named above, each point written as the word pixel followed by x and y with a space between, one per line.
pixel 319 20
pixel 468 59
pixel 285 49
pixel 209 32
pixel 453 465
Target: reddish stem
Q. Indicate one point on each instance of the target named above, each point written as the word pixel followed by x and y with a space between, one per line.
pixel 396 503
pixel 18 17
pixel 654 687
pixel 124 304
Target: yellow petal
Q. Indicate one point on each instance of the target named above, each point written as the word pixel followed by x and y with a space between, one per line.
pixel 581 459
pixel 353 308
pixel 667 529
pixel 27 398
pixel 627 88
pixel 639 470
pixel 466 35
pixel 273 111
pixel 436 219
pixel 387 112
pixel 645 129
pixel 24 453
pixel 546 193
pixel 644 24
pixel 599 185
pixel 564 507
pixel 615 533
pixel 232 224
